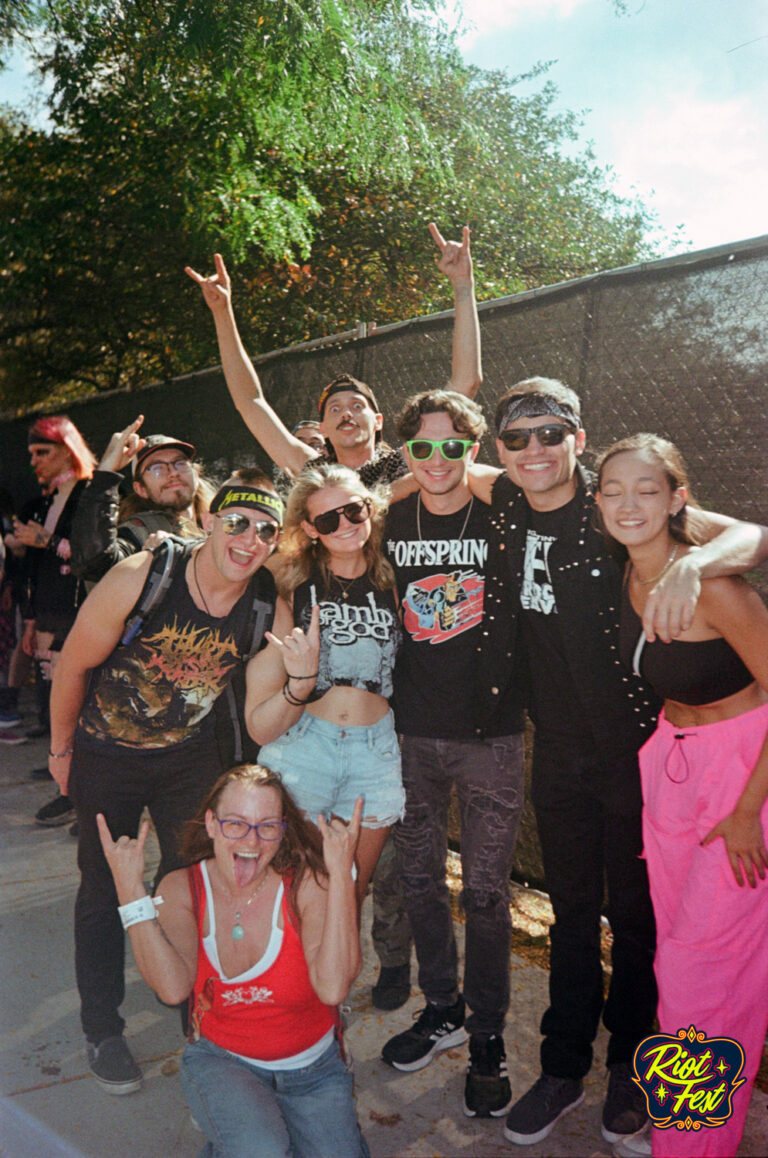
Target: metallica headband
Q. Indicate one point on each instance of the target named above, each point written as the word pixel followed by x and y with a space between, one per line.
pixel 242 495
pixel 538 406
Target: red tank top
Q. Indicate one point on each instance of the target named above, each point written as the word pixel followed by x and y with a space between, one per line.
pixel 276 1014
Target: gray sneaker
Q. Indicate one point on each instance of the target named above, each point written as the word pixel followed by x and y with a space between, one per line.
pixel 112 1064
pixel 536 1114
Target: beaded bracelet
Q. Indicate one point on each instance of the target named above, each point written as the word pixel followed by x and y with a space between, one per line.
pixel 60 755
pixel 311 676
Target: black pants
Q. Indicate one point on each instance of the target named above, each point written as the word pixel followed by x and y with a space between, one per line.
pixel 120 782
pixel 589 847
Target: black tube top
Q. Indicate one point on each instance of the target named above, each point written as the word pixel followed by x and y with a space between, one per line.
pixel 700 672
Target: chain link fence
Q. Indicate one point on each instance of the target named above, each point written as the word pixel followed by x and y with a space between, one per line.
pixel 678 347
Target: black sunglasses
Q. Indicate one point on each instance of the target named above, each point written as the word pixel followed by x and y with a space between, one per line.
pixel 453 449
pixel 355 512
pixel 234 524
pixel 551 434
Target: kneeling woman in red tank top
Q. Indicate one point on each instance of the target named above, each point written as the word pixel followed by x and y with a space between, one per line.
pixel 261 931
pixel 704 774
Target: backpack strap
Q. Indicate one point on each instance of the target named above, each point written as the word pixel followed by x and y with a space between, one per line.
pixel 156 585
pixel 262 614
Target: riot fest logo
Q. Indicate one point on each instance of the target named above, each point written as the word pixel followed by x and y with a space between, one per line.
pixel 688 1080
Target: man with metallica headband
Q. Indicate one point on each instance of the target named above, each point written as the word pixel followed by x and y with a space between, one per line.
pixel 132 722
pixel 553 587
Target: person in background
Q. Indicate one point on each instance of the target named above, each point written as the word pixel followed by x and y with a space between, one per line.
pixel 169 497
pixel 261 931
pixel 349 417
pixel 704 774
pixel 62 463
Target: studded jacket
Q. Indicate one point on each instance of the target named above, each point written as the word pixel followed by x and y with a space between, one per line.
pixel 620 708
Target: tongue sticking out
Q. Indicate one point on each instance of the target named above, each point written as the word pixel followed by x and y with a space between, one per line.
pixel 245 870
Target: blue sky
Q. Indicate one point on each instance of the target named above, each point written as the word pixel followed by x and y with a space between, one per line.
pixel 674 95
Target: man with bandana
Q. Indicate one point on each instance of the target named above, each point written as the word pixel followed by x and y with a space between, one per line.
pixel 132 722
pixel 552 604
pixel 350 419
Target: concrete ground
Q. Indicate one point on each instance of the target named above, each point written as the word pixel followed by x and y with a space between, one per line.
pixel 50 1107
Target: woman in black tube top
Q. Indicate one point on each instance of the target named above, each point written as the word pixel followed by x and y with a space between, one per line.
pixel 704 774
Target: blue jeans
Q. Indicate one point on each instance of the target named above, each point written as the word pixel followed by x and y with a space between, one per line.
pixel 246 1110
pixel 488 775
pixel 326 767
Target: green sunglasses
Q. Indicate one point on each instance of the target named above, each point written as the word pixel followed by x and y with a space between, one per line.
pixel 454 449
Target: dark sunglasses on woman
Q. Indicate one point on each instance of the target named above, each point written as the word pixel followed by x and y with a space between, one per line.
pixel 355 512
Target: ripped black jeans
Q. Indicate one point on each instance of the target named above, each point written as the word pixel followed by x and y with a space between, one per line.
pixel 488 775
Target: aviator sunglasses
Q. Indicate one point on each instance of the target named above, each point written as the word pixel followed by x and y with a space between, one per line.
pixel 234 524
pixel 550 434
pixel 355 512
pixel 453 449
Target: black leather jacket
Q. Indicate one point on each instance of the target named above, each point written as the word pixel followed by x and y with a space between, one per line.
pixel 620 708
pixel 97 541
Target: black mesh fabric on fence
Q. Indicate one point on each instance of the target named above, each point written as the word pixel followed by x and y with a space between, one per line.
pixel 678 347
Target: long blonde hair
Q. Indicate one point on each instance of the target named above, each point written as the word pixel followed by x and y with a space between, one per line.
pixel 299 555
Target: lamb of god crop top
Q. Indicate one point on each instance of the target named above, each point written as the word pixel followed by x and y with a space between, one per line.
pixel 360 632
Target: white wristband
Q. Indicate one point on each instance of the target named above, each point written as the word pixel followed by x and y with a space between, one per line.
pixel 145 909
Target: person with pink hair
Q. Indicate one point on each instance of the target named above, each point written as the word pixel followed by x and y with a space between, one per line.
pixel 62 462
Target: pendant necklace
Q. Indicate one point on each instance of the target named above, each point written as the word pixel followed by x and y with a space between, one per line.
pixel 662 572
pixel 205 601
pixel 466 517
pixel 238 932
pixel 347 586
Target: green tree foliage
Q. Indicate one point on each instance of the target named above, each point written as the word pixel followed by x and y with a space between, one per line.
pixel 311 141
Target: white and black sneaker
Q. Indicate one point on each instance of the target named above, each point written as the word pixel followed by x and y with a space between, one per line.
pixel 111 1063
pixel 487 1093
pixel 437 1027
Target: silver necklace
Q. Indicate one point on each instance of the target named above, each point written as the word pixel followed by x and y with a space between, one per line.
pixel 466 517
pixel 238 932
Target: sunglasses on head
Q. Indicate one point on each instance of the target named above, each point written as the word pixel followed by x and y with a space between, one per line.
pixel 550 434
pixel 233 524
pixel 454 449
pixel 355 512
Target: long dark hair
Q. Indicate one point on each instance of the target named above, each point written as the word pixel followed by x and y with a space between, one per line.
pixel 301 847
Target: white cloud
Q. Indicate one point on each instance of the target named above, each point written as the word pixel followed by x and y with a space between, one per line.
pixel 706 162
pixel 491 16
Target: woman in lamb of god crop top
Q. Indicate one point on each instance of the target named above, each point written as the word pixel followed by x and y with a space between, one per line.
pixel 318 695
pixel 705 779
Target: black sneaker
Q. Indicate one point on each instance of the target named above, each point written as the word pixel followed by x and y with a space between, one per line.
pixel 535 1115
pixel 437 1027
pixel 58 811
pixel 112 1064
pixel 393 987
pixel 487 1092
pixel 624 1111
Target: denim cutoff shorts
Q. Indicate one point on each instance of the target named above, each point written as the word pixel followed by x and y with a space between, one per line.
pixel 326 767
